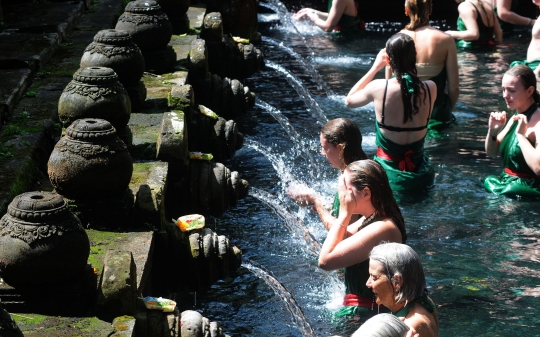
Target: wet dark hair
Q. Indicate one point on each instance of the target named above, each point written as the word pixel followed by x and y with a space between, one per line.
pixel 401 52
pixel 369 173
pixel 526 77
pixel 421 10
pixel 344 131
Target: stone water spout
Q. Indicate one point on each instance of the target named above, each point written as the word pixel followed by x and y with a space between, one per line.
pixel 235 58
pixel 115 49
pixel 228 98
pixel 208 134
pixel 151 30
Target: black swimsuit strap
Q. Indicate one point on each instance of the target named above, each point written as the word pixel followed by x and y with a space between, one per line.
pixel 383 103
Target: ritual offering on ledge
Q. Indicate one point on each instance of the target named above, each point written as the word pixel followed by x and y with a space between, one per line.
pixel 201 156
pixel 190 222
pixel 207 112
pixel 159 303
pixel 238 39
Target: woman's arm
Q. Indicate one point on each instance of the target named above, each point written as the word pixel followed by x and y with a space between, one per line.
pixel 468 15
pixel 497 29
pixel 340 250
pixel 531 153
pixel 505 14
pixel 327 21
pixel 452 72
pixel 360 94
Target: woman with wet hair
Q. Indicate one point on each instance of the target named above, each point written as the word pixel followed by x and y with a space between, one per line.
pixel 403 108
pixel 397 279
pixel 436 60
pixel 517 141
pixel 384 325
pixel 342 15
pixel 341 144
pixel 477 24
pixel 364 190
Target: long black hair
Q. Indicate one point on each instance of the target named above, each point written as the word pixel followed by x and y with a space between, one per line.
pixel 401 52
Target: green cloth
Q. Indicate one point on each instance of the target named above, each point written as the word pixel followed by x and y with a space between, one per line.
pixel 513 159
pixel 424 300
pixel 441 116
pixel 420 178
pixel 355 280
pixel 335 206
pixel 532 64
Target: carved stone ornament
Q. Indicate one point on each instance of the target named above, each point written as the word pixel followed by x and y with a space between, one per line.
pixel 31 225
pixel 90 162
pixel 95 92
pixel 115 49
pixel 41 241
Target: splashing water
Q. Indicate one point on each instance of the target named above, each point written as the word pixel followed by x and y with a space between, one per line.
pixel 292 306
pixel 304 94
pixel 321 85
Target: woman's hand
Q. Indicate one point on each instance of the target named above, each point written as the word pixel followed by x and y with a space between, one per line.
pixel 301 14
pixel 521 128
pixel 497 120
pixel 347 201
pixel 302 194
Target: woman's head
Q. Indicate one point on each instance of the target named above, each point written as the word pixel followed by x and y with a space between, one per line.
pixel 341 142
pixel 396 274
pixel 419 12
pixel 382 325
pixel 519 88
pixel 369 174
pixel 401 52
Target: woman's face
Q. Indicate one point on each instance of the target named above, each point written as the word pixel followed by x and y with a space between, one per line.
pixel 515 94
pixel 380 284
pixel 331 152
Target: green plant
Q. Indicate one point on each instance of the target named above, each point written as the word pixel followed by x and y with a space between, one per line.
pixel 31 93
pixel 5 153
pixel 12 130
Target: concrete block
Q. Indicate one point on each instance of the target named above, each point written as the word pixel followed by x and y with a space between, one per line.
pixel 172 143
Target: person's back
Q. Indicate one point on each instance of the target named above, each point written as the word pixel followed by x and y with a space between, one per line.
pixel 533 53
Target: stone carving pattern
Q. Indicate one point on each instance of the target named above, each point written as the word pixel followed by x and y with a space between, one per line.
pixel 89 150
pixel 110 51
pixel 30 233
pixel 143 19
pixel 94 92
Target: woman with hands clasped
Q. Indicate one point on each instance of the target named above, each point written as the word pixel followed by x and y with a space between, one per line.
pixel 517 140
pixel 364 190
pixel 403 108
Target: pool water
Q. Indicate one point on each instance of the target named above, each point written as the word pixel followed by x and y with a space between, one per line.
pixel 480 251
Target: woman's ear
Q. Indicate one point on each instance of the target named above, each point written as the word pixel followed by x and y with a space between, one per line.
pixel 397 281
pixel 366 192
pixel 530 90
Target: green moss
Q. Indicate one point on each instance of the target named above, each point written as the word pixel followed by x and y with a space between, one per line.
pixel 24 179
pixel 26 318
pixel 178 103
pixel 140 173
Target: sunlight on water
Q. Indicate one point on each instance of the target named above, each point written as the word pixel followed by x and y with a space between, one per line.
pixel 343 61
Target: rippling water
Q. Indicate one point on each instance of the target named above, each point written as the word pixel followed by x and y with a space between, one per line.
pixel 480 251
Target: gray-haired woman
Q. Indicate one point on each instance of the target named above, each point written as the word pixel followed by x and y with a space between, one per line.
pixel 397 279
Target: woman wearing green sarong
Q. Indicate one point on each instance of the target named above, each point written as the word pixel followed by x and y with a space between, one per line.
pixel 342 14
pixel 477 24
pixel 518 141
pixel 403 107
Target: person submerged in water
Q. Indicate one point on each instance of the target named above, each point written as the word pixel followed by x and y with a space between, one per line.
pixel 477 22
pixel 436 60
pixel 342 14
pixel 533 52
pixel 517 141
pixel 403 108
